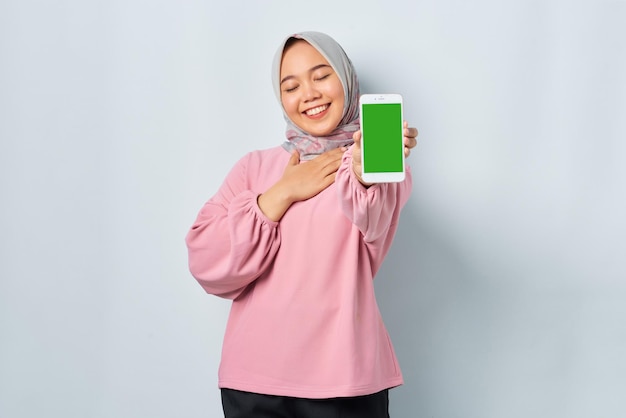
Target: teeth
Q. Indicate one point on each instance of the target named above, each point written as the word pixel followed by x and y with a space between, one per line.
pixel 316 110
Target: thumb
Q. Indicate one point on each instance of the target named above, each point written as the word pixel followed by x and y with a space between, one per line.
pixel 356 137
pixel 295 158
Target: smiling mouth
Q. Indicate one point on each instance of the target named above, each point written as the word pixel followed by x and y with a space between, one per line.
pixel 316 110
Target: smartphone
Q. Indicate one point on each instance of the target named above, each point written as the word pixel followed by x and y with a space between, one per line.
pixel 382 144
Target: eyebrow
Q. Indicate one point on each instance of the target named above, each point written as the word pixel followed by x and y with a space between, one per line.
pixel 310 71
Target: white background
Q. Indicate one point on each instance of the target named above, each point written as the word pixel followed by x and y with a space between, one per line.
pixel 504 292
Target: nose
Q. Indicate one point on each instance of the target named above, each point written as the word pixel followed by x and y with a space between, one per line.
pixel 310 92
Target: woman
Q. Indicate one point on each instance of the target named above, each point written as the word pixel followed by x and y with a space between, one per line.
pixel 294 237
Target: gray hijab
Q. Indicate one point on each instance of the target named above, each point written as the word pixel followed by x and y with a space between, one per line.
pixel 310 146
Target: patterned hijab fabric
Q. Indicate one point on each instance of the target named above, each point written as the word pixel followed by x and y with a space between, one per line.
pixel 310 146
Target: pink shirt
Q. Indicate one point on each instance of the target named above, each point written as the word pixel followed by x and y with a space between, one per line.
pixel 304 320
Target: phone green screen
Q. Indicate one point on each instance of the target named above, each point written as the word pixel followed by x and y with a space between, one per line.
pixel 382 137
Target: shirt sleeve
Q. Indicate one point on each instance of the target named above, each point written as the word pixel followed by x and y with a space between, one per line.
pixel 375 210
pixel 232 242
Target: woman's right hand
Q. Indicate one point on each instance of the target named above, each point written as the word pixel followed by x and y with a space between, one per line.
pixel 300 182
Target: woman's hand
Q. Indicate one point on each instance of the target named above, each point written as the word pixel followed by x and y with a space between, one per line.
pixel 300 182
pixel 409 138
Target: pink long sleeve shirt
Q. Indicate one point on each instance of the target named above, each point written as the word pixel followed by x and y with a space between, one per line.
pixel 304 320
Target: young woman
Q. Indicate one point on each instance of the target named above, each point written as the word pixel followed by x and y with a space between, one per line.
pixel 294 237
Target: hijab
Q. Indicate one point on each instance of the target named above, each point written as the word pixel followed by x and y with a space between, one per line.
pixel 310 146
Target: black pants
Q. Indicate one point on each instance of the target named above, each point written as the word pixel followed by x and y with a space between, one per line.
pixel 239 404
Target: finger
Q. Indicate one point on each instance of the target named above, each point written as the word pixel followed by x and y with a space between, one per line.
pixel 332 163
pixel 329 161
pixel 410 142
pixel 295 158
pixel 356 137
pixel 331 156
pixel 335 161
pixel 410 132
pixel 330 179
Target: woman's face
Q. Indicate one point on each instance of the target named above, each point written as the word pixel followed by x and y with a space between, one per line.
pixel 310 90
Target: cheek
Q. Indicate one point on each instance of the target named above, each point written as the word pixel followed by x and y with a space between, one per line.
pixel 289 104
pixel 337 93
pixel 340 103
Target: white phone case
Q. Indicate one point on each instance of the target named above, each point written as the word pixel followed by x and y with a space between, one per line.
pixel 394 150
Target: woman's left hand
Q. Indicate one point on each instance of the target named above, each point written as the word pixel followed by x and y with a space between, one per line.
pixel 410 138
pixel 410 141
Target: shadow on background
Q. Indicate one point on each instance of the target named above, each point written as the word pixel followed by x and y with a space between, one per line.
pixel 428 300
